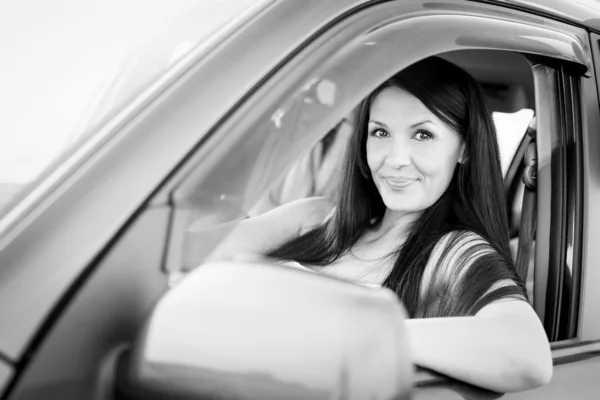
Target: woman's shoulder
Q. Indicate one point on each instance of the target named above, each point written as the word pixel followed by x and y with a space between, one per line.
pixel 458 247
pixel 460 241
pixel 453 256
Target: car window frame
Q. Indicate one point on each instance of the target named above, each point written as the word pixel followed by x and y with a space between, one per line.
pixel 559 187
pixel 589 324
pixel 565 298
pixel 584 105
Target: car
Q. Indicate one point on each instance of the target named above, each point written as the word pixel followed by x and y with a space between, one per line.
pixel 108 213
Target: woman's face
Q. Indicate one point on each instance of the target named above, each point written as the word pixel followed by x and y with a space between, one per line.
pixel 411 153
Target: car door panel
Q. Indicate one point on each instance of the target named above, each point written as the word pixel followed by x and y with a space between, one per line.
pixel 573 380
pixel 589 325
pixel 101 316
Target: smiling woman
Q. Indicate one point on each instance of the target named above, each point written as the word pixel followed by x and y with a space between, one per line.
pixel 412 159
pixel 420 210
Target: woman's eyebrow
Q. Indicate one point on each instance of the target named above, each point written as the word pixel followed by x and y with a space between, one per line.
pixel 421 123
pixel 378 123
pixel 412 126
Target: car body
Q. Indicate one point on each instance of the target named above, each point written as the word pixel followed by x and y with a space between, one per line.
pixel 101 235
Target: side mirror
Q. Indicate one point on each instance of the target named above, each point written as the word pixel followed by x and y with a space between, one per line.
pixel 244 330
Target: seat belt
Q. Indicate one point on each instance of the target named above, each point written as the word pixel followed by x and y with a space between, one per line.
pixel 528 210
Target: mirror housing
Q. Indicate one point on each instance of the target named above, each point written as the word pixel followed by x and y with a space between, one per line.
pixel 253 330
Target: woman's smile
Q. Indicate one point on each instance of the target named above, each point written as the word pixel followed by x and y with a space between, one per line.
pixel 399 183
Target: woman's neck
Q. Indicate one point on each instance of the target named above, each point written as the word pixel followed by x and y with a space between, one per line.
pixel 384 238
pixel 394 225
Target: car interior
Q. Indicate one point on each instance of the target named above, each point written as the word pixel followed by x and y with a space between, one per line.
pixel 507 81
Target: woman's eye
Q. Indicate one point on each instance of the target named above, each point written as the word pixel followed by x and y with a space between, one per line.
pixel 380 133
pixel 423 135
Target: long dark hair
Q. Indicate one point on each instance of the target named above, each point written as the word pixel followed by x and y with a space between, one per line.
pixel 470 215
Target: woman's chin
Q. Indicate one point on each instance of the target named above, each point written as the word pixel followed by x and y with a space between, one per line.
pixel 402 207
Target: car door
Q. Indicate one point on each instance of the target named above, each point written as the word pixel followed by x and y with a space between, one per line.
pixel 570 296
pixel 199 193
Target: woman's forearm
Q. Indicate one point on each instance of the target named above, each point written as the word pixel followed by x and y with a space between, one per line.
pixel 499 353
pixel 261 234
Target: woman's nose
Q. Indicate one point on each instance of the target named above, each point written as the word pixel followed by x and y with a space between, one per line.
pixel 399 154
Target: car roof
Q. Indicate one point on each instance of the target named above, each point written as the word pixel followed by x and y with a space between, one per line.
pixel 581 12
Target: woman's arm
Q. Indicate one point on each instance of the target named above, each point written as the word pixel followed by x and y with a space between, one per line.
pixel 503 348
pixel 263 233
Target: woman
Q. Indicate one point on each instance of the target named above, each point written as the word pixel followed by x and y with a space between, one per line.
pixel 421 211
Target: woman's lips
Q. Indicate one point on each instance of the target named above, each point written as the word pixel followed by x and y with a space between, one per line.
pixel 399 183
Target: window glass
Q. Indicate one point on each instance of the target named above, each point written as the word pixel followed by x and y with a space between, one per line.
pixel 68 64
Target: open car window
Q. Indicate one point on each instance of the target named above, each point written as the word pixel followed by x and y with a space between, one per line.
pixel 316 171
